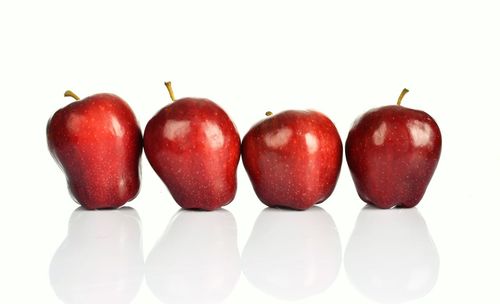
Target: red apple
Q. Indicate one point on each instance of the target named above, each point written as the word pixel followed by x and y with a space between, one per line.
pixel 392 153
pixel 194 147
pixel 293 159
pixel 97 142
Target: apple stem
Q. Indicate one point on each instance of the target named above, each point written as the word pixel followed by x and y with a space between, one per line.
pixel 168 84
pixel 70 93
pixel 403 93
pixel 269 113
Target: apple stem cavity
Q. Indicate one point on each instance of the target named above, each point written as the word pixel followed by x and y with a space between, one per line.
pixel 70 93
pixel 403 93
pixel 269 113
pixel 168 84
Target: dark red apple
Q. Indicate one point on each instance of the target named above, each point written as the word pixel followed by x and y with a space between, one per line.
pixel 194 147
pixel 293 158
pixel 392 153
pixel 98 144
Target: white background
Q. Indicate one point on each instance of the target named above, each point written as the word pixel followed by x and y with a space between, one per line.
pixel 338 57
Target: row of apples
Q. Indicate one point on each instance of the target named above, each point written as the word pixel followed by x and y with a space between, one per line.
pixel 293 158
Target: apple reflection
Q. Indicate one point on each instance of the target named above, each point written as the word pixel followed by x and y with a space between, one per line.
pixel 197 258
pixel 391 257
pixel 101 259
pixel 292 255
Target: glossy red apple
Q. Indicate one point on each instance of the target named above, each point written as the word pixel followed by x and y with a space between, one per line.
pixel 293 158
pixel 194 147
pixel 392 153
pixel 97 142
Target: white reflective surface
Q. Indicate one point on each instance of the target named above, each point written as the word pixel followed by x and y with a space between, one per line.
pixel 292 255
pixel 101 259
pixel 391 257
pixel 341 58
pixel 196 260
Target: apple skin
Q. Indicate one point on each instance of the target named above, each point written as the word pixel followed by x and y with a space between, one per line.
pixel 293 159
pixel 98 144
pixel 392 153
pixel 194 147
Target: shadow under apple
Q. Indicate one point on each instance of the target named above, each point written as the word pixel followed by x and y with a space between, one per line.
pixel 292 255
pixel 391 257
pixel 101 259
pixel 197 258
